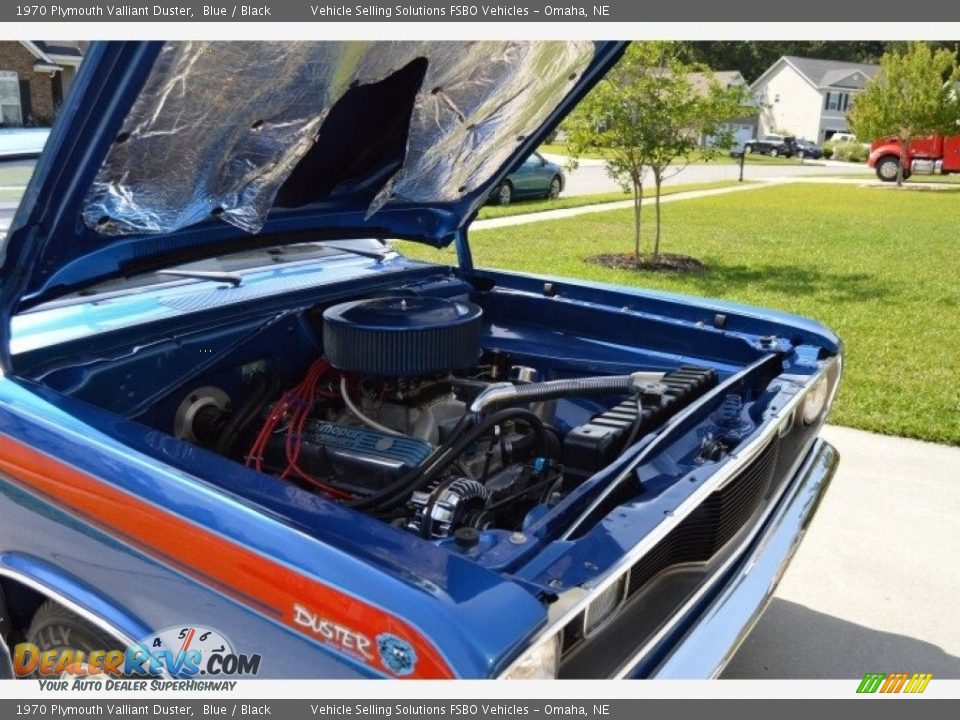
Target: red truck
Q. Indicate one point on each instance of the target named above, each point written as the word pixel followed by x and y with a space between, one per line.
pixel 931 155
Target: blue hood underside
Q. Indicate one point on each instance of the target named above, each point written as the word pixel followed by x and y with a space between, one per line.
pixel 170 152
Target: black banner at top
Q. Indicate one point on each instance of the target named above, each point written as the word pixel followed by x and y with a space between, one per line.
pixel 536 11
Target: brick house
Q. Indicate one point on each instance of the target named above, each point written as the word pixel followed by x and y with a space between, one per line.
pixel 34 79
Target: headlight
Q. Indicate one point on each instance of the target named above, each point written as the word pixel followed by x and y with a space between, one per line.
pixel 604 605
pixel 815 400
pixel 538 663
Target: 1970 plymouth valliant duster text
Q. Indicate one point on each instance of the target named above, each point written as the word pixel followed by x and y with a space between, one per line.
pixel 231 413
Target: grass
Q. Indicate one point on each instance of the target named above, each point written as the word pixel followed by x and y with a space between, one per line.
pixel 561 149
pixel 535 206
pixel 879 268
pixel 13 174
pixel 914 179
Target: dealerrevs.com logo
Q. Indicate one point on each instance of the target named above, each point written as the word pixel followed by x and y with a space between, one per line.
pixel 177 652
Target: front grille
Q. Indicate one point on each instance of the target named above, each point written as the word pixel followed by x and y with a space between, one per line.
pixel 699 536
pixel 703 532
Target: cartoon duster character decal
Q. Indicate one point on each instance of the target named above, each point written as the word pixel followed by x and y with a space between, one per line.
pixel 396 654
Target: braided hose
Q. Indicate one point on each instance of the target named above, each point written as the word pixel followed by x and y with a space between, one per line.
pixel 505 394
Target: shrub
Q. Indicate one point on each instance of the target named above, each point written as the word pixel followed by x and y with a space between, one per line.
pixel 850 152
pixel 828 147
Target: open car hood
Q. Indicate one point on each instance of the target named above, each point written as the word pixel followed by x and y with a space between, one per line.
pixel 170 152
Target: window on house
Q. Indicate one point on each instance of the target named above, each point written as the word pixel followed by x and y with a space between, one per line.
pixel 834 101
pixel 10 112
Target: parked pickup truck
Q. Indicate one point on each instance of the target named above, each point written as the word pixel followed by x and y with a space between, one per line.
pixel 932 155
pixel 242 434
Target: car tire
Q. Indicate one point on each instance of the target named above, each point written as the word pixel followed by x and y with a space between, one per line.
pixel 504 193
pixel 54 627
pixel 747 149
pixel 887 168
pixel 556 185
pixel 774 152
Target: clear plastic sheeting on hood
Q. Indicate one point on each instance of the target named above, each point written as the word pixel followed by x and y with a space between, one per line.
pixel 219 126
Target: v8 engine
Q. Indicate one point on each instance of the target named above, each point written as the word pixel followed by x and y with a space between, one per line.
pixel 407 416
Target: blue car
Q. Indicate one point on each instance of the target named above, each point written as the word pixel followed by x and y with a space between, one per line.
pixel 242 435
pixel 536 177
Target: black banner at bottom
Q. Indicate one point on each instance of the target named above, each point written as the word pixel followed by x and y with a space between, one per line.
pixel 875 708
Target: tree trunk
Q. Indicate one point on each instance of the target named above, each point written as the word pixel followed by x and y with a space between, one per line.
pixel 658 181
pixel 903 159
pixel 637 207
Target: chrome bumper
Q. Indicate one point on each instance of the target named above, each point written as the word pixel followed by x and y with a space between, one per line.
pixel 715 635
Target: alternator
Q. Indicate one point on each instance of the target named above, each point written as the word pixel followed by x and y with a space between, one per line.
pixel 446 506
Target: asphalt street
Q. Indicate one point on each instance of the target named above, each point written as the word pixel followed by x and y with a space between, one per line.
pixel 591 176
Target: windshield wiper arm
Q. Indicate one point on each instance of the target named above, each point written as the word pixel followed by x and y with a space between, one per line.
pixel 372 254
pixel 214 275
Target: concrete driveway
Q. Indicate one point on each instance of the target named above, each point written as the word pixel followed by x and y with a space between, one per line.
pixel 874 587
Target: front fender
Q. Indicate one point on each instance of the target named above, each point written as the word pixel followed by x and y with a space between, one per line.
pixel 882 152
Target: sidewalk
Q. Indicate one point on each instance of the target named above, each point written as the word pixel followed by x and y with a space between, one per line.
pixel 874 584
pixel 618 205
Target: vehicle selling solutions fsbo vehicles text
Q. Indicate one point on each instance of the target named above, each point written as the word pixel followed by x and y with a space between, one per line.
pixel 399 10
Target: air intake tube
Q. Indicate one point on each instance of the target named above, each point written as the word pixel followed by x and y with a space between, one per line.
pixel 507 394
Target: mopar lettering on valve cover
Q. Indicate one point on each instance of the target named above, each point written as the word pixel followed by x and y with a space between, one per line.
pixel 220 374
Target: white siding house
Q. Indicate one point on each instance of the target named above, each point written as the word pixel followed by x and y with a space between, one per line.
pixel 740 128
pixel 808 97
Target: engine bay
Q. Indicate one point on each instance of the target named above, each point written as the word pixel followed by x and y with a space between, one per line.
pixel 407 416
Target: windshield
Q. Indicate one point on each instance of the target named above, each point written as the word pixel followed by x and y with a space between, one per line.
pixel 231 269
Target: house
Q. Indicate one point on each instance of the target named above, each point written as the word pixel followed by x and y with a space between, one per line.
pixel 809 97
pixel 741 128
pixel 34 79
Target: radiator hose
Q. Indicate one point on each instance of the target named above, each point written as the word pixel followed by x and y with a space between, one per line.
pixel 507 394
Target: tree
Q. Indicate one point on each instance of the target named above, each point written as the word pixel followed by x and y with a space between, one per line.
pixel 647 114
pixel 914 94
pixel 689 110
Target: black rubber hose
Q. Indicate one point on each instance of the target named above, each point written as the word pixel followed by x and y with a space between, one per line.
pixel 367 502
pixel 442 458
pixel 635 427
pixel 462 446
pixel 264 386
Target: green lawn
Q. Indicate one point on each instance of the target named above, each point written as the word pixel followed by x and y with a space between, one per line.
pixel 13 174
pixel 914 179
pixel 561 149
pixel 878 267
pixel 535 206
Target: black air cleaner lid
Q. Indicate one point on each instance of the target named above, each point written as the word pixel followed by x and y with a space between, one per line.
pixel 402 336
